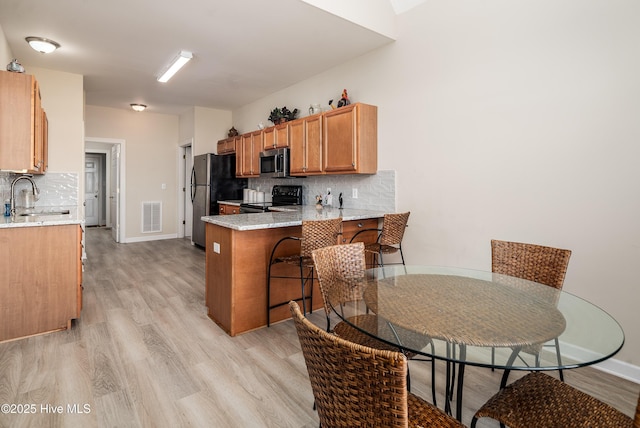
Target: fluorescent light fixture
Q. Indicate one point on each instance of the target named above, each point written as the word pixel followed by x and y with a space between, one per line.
pixel 138 107
pixel 42 45
pixel 177 63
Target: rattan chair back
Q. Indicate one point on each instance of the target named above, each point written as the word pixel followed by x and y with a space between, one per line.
pixel 355 385
pixel 393 227
pixel 545 265
pixel 540 400
pixel 340 270
pixel 319 233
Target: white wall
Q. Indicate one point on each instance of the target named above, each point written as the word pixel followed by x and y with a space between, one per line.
pixel 508 120
pixel 206 127
pixel 151 153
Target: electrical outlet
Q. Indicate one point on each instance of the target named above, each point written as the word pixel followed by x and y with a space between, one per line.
pixel 354 193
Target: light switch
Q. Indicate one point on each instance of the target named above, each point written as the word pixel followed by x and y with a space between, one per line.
pixel 216 247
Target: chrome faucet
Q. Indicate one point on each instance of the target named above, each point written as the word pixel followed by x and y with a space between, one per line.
pixel 34 189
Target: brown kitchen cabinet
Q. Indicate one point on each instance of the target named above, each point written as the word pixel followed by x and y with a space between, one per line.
pixel 350 140
pixel 248 155
pixel 228 145
pixel 41 289
pixel 23 124
pixel 276 137
pixel 305 138
pixel 228 209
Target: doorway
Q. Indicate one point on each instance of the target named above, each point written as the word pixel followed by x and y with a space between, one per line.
pixel 95 189
pixel 185 207
pixel 109 202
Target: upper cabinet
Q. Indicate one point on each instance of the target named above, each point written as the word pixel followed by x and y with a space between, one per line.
pixel 23 124
pixel 305 137
pixel 339 141
pixel 228 146
pixel 351 140
pixel 276 137
pixel 248 155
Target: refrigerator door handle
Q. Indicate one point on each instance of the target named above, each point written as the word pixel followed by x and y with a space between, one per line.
pixel 193 186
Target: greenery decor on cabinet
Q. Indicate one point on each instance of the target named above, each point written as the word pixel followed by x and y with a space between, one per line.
pixel 279 115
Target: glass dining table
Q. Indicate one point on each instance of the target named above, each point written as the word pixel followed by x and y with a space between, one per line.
pixel 469 317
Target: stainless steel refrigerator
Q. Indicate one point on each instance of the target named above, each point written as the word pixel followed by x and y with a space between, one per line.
pixel 212 180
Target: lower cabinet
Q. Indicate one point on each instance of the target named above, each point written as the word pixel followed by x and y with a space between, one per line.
pixel 41 289
pixel 228 209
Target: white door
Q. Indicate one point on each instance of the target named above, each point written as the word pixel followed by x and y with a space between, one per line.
pixel 114 196
pixel 92 179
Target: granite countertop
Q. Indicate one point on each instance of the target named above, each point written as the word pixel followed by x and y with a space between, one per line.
pixel 42 220
pixel 293 216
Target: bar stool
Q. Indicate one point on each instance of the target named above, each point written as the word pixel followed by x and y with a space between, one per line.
pixel 315 234
pixel 389 238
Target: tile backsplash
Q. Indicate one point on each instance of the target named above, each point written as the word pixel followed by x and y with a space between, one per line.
pixel 375 192
pixel 56 189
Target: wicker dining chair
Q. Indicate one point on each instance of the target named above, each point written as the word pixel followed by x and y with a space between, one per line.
pixel 355 385
pixel 315 234
pixel 389 238
pixel 541 401
pixel 541 264
pixel 341 275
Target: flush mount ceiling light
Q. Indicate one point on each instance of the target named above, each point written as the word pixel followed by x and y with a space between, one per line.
pixel 177 63
pixel 42 45
pixel 138 107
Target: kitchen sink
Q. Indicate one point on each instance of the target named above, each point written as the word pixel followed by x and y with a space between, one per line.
pixel 40 213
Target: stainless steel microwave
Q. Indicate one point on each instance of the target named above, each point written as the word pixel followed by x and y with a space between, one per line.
pixel 274 163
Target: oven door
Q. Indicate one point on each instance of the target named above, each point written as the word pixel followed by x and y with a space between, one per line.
pixel 250 209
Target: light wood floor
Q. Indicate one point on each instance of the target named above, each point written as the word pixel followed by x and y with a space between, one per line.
pixel 144 354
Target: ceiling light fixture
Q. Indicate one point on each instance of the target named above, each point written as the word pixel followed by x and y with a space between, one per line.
pixel 177 63
pixel 138 107
pixel 42 45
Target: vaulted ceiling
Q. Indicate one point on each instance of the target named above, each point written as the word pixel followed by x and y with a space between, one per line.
pixel 243 49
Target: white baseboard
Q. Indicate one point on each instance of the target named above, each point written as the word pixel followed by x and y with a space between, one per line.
pixel 150 238
pixel 612 366
pixel 621 369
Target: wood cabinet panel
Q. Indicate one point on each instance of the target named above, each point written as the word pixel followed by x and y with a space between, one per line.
pixel 22 124
pixel 41 289
pixel 351 140
pixel 305 137
pixel 228 209
pixel 227 146
pixel 248 155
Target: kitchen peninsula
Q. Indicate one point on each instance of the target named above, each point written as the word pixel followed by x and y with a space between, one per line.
pixel 237 256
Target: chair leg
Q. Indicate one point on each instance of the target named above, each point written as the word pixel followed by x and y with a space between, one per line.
pixel 559 359
pixel 493 359
pixel 269 296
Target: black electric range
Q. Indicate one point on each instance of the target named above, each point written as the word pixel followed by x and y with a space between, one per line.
pixel 281 195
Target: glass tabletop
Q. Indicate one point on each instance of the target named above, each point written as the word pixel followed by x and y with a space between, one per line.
pixel 479 318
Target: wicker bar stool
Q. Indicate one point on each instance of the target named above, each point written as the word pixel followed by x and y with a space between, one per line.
pixel 355 385
pixel 315 234
pixel 543 401
pixel 389 238
pixel 545 265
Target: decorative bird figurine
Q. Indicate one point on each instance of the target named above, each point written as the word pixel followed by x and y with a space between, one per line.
pixel 344 101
